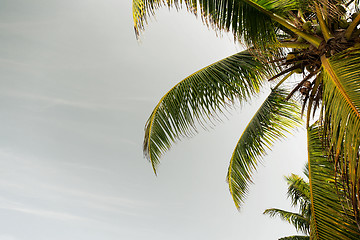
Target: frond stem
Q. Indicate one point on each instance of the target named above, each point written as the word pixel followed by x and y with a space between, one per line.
pixel 294 45
pixel 311 188
pixel 352 27
pixel 315 41
pixel 311 100
pixel 284 79
pixel 324 29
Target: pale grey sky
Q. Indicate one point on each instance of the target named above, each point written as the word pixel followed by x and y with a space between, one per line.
pixel 76 90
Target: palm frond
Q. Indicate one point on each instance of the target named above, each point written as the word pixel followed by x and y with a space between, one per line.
pixel 297 237
pixel 143 9
pixel 299 192
pixel 300 222
pixel 273 119
pixel 250 20
pixel 330 219
pixel 298 189
pixel 342 115
pixel 200 98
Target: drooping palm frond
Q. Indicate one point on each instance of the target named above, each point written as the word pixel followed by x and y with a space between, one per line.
pixel 199 98
pixel 300 222
pixel 330 219
pixel 251 20
pixel 342 116
pixel 275 117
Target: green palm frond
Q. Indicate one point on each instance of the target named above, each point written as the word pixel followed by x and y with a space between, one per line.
pixel 330 219
pixel 298 189
pixel 143 9
pixel 251 20
pixel 295 238
pixel 300 222
pixel 299 192
pixel 275 117
pixel 342 115
pixel 199 98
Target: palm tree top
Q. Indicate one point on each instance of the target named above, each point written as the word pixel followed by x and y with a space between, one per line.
pixel 316 41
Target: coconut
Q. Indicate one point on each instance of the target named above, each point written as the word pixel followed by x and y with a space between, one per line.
pixel 307 84
pixel 304 91
pixel 307 26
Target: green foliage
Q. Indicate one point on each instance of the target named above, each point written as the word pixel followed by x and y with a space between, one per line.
pixel 300 222
pixel 322 210
pixel 342 115
pixel 299 193
pixel 275 117
pixel 239 17
pixel 330 217
pixel 295 238
pixel 199 97
pixel 316 40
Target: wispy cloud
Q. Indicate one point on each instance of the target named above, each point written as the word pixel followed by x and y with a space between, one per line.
pixel 53 101
pixel 56 193
pixel 12 205
pixel 47 214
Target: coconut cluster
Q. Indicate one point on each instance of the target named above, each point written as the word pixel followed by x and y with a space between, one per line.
pixel 307 60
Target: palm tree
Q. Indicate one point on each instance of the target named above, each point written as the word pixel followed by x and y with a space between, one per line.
pixel 299 193
pixel 322 211
pixel 318 41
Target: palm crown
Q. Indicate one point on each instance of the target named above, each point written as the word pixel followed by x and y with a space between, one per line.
pixel 317 40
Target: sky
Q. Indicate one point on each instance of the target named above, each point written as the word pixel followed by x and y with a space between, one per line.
pixel 76 89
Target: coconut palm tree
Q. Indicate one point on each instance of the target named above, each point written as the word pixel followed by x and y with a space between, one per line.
pixel 318 41
pixel 323 211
